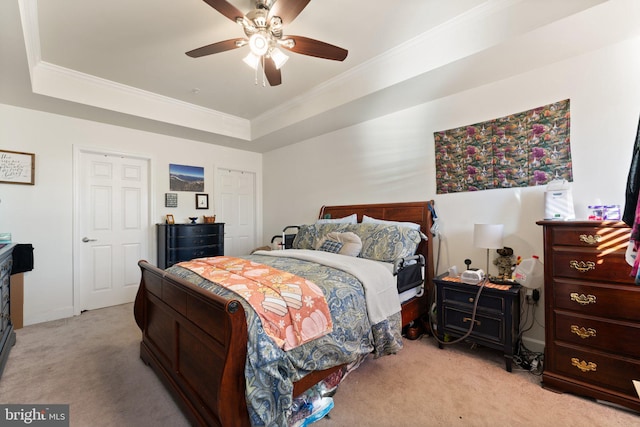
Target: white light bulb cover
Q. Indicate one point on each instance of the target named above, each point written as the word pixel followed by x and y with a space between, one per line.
pixel 251 60
pixel 259 44
pixel 488 236
pixel 279 58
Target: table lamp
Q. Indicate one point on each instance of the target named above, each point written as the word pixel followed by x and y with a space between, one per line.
pixel 487 236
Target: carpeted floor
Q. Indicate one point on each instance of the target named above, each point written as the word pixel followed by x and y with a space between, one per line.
pixel 91 362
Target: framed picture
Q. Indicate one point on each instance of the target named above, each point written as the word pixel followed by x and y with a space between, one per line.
pixel 17 167
pixel 202 201
pixel 170 219
pixel 186 178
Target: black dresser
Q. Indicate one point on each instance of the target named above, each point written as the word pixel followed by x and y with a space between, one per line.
pixel 7 334
pixel 182 242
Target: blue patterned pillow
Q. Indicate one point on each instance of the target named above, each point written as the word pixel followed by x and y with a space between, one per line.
pixel 331 246
pixel 383 242
pixel 309 236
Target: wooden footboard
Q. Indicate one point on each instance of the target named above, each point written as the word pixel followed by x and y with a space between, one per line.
pixel 196 342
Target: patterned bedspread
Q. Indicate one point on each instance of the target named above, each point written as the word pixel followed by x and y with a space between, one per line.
pixel 270 371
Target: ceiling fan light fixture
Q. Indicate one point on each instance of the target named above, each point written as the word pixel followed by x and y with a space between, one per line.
pixel 279 58
pixel 252 60
pixel 259 44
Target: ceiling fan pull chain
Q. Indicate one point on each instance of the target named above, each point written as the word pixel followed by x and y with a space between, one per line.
pixel 264 80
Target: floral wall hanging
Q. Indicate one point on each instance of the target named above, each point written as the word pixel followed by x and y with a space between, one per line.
pixel 520 150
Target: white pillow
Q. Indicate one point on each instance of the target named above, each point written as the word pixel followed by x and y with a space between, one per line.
pixel 351 219
pixel 369 220
pixel 351 242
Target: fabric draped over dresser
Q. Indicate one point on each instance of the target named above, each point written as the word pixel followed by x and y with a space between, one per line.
pixel 631 213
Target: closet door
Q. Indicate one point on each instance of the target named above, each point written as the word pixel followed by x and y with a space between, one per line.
pixel 236 207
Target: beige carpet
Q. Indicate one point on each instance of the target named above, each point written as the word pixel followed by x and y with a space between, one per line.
pixel 91 362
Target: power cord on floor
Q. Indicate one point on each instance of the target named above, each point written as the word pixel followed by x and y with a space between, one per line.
pixel 525 358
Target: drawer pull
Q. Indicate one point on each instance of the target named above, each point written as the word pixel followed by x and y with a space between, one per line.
pixel 583 332
pixel 468 319
pixel 583 299
pixel 583 366
pixel 582 266
pixel 590 239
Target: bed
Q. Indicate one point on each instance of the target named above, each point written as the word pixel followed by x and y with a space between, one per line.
pixel 198 341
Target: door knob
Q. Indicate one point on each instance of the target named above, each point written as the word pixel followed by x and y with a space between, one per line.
pixel 86 239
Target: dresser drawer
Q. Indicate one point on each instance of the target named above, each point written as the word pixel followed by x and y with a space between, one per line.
pixel 486 327
pixel 188 230
pixel 4 291
pixel 612 301
pixel 590 264
pixel 192 241
pixel 5 267
pixel 598 333
pixel 597 368
pixel 185 254
pixel 465 295
pixel 600 238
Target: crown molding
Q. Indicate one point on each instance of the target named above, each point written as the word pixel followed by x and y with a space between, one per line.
pixel 63 83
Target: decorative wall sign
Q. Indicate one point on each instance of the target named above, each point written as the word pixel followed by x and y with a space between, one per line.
pixel 186 178
pixel 17 167
pixel 520 150
pixel 170 200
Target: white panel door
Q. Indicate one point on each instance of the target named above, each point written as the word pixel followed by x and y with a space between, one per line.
pixel 236 208
pixel 113 228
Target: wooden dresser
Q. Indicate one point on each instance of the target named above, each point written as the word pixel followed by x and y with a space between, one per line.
pixel 592 312
pixel 182 242
pixel 7 334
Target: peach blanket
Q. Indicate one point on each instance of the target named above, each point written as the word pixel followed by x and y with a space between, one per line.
pixel 293 310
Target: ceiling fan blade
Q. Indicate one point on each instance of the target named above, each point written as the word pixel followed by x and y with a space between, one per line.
pixel 288 10
pixel 311 47
pixel 210 49
pixel 225 8
pixel 273 74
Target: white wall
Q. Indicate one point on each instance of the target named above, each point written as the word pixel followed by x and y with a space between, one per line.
pixel 392 158
pixel 43 214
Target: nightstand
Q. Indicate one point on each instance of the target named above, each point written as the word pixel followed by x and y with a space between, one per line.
pixel 497 321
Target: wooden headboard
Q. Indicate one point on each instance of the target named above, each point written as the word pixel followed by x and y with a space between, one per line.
pixel 417 212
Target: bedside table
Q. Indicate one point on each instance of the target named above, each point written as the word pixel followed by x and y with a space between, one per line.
pixel 497 321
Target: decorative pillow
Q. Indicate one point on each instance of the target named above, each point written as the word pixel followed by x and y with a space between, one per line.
pixel 351 243
pixel 330 246
pixel 381 242
pixel 351 219
pixel 370 220
pixel 308 236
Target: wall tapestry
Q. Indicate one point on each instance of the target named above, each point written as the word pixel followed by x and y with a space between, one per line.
pixel 520 150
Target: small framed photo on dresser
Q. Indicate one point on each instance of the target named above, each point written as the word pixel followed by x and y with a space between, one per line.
pixel 202 201
pixel 170 219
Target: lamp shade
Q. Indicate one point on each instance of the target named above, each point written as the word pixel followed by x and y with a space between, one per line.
pixel 488 236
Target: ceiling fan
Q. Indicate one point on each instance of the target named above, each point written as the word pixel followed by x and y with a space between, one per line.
pixel 264 35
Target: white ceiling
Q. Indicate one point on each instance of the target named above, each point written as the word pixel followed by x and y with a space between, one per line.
pixel 128 57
